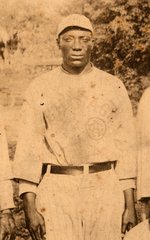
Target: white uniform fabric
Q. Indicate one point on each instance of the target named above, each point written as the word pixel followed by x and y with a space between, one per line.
pixel 81 207
pixel 143 129
pixel 74 120
pixel 140 232
pixel 6 189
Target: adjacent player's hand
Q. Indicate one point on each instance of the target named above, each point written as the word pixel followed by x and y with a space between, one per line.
pixel 7 225
pixel 128 219
pixel 35 224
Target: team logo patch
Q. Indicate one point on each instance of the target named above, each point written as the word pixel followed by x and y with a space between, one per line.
pixel 96 128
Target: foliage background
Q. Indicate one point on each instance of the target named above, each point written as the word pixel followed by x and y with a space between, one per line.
pixel 122 47
pixel 123 41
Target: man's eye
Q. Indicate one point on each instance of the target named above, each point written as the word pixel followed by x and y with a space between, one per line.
pixel 68 39
pixel 85 39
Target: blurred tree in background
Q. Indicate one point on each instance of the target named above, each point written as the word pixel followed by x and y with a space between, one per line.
pixel 122 28
pixel 34 23
pixel 122 45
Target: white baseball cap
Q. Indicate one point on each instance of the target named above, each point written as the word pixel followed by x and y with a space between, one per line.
pixel 74 20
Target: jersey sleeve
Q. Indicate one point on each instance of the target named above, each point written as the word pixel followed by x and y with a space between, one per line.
pixel 6 195
pixel 28 161
pixel 125 138
pixel 26 186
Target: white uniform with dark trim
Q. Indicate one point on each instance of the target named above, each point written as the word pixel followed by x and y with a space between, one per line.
pixel 75 120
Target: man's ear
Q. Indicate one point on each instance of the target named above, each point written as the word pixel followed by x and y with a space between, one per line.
pixel 93 41
pixel 58 42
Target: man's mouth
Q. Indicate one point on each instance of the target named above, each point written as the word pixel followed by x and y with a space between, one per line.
pixel 76 56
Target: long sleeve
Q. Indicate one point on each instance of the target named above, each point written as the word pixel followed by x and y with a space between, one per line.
pixel 31 151
pixel 125 140
pixel 143 130
pixel 26 186
pixel 28 163
pixel 6 188
pixel 6 195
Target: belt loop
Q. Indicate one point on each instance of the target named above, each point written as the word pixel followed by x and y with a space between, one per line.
pixel 86 169
pixel 48 170
pixel 112 165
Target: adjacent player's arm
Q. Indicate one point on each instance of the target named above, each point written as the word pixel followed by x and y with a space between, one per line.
pixel 7 223
pixel 143 166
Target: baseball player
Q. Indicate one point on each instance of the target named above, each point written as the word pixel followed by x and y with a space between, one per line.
pixel 143 186
pixel 7 224
pixel 76 152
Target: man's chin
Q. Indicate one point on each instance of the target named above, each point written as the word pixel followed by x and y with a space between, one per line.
pixel 77 64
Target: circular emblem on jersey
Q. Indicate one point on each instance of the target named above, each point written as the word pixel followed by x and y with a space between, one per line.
pixel 96 128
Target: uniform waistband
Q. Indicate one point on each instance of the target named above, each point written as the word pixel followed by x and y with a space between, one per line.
pixel 75 170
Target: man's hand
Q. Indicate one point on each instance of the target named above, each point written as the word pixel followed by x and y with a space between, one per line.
pixel 35 225
pixel 34 220
pixel 129 215
pixel 128 220
pixel 7 225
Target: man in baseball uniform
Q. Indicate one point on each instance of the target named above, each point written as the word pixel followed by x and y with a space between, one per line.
pixel 7 225
pixel 76 152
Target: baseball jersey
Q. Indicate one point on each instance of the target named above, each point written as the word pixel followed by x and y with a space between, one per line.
pixel 73 120
pixel 6 190
pixel 143 127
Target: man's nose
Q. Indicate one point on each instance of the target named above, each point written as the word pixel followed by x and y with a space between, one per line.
pixel 77 45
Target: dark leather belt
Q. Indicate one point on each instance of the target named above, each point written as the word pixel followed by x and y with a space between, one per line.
pixel 73 170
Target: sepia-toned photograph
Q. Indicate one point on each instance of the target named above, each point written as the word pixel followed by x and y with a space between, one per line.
pixel 75 120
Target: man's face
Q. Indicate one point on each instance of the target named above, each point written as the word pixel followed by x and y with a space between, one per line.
pixel 76 46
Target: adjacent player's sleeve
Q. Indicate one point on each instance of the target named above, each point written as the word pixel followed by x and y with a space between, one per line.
pixel 6 195
pixel 125 139
pixel 6 188
pixel 143 130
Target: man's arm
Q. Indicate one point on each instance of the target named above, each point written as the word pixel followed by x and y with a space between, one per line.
pixel 27 165
pixel 126 167
pixel 129 218
pixel 129 215
pixel 34 220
